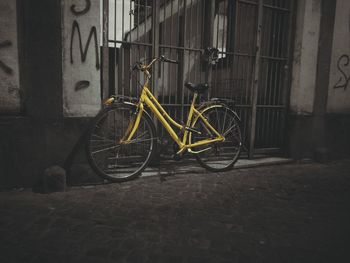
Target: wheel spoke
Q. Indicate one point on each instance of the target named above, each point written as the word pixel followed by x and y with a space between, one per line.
pixel 138 141
pixel 106 149
pixel 217 118
pixel 223 125
pixel 101 138
pixel 226 132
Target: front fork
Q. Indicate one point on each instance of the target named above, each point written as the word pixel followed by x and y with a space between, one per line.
pixel 134 120
pixel 133 125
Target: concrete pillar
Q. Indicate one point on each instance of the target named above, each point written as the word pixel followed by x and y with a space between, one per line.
pixel 9 66
pixel 303 84
pixel 312 59
pixel 339 85
pixel 338 104
pixel 305 57
pixel 81 58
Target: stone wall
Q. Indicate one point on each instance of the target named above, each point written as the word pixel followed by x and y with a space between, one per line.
pixel 40 136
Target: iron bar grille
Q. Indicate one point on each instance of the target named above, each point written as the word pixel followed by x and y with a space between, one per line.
pixel 181 30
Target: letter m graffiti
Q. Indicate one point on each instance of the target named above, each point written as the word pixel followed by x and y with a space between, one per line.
pixel 83 51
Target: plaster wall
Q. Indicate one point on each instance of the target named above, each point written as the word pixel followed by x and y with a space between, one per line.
pixel 9 69
pixel 339 84
pixel 81 62
pixel 305 57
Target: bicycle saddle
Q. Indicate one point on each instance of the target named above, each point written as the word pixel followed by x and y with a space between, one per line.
pixel 199 88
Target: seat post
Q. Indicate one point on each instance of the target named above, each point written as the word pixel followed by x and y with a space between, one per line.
pixel 190 113
pixel 195 95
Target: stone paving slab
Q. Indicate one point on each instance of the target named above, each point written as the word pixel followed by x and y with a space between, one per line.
pixel 284 213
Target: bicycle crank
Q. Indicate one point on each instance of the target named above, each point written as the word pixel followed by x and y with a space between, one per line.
pixel 200 151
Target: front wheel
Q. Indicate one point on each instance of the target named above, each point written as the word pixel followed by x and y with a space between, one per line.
pixel 111 159
pixel 218 156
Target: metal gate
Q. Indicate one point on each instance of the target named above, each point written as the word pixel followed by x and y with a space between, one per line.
pixel 253 40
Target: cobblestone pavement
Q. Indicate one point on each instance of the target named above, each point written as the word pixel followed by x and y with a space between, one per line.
pixel 284 213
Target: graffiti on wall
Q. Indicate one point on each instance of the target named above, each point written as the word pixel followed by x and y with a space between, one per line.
pixel 342 66
pixel 82 84
pixel 3 66
pixel 83 50
pixel 83 11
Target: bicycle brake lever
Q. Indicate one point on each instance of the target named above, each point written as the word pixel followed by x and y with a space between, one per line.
pixel 164 59
pixel 137 66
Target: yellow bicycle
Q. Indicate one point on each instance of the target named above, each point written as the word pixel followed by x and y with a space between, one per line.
pixel 122 140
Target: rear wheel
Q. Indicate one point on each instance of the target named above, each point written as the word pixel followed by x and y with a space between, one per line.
pixel 107 156
pixel 219 156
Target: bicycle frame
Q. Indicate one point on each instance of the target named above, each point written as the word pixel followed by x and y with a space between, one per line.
pixel 152 103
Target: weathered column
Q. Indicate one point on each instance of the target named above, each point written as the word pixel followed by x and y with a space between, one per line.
pixel 305 56
pixel 311 70
pixel 339 89
pixel 302 95
pixel 81 57
pixel 9 69
pixel 338 103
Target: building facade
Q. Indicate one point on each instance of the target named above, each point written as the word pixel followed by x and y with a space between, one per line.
pixel 286 64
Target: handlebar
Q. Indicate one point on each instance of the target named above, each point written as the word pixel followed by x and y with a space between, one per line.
pixel 164 59
pixel 146 67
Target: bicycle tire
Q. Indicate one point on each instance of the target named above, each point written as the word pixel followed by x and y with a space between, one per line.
pixel 129 159
pixel 221 156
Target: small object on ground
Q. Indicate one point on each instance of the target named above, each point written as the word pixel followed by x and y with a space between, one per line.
pixel 53 180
